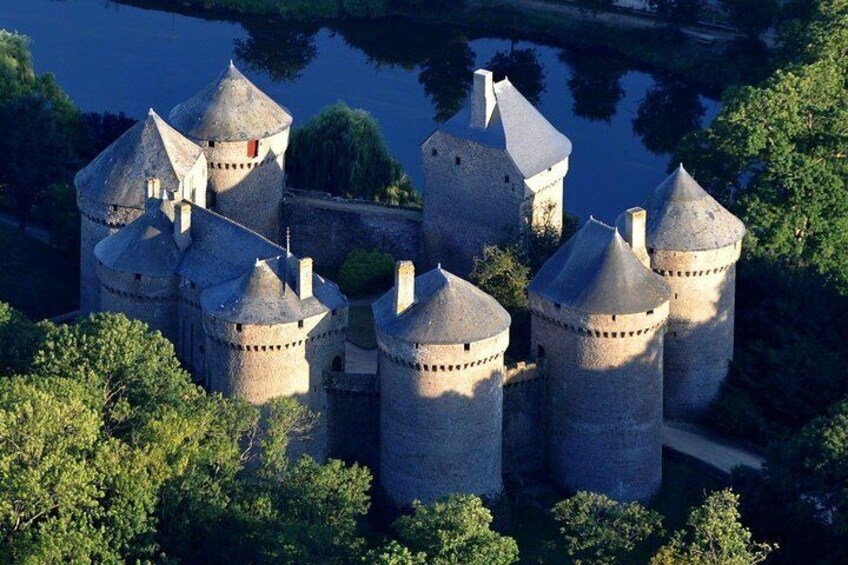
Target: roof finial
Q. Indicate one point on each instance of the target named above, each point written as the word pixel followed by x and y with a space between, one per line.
pixel 232 66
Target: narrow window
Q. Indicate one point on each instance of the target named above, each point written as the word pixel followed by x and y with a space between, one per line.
pixel 506 178
pixel 613 318
pixel 238 327
pixel 435 152
pixel 253 148
pixel 458 161
pixel 137 277
pixel 540 351
pixel 211 144
pixel 300 323
pixel 650 312
pixel 675 296
pixel 468 347
pixel 210 200
pixel 337 364
pixel 335 312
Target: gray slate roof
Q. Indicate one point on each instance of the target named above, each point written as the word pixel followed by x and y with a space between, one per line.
pixel 516 127
pixel 596 272
pixel 235 266
pixel 447 310
pixel 682 216
pixel 260 296
pixel 146 246
pixel 230 108
pixel 149 149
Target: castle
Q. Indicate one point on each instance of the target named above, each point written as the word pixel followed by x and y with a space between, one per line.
pixel 629 323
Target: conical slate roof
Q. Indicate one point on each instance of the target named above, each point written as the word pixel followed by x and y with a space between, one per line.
pixel 683 217
pixel 596 272
pixel 146 246
pixel 447 310
pixel 149 149
pixel 230 108
pixel 516 127
pixel 261 296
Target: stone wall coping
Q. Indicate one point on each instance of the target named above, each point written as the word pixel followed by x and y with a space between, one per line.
pixel 327 200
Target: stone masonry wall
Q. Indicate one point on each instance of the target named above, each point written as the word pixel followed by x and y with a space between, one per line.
pixel 327 229
pixel 473 196
pixel 524 424
pixel 441 410
pixel 353 425
pixel 699 341
pixel 605 377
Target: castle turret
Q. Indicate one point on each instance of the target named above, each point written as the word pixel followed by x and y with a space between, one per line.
pixel 244 135
pixel 441 343
pixel 694 244
pixel 111 190
pixel 137 269
pixel 490 172
pixel 598 318
pixel 275 331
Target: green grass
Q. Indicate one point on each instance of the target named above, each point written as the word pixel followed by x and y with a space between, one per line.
pixel 360 326
pixel 36 278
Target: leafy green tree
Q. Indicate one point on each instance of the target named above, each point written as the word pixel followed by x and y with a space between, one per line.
pixel 502 273
pixel 341 151
pixel 454 531
pixel 751 16
pixel 713 536
pixel 365 273
pixel 20 339
pixel 394 553
pixel 597 530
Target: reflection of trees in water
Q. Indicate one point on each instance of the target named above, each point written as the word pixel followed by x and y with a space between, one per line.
pixel 282 50
pixel 595 82
pixel 669 110
pixel 447 76
pixel 523 68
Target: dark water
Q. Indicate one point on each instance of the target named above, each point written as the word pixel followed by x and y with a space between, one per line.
pixel 623 122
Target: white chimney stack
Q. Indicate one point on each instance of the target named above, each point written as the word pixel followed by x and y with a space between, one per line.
pixel 182 224
pixel 635 220
pixel 482 99
pixel 404 286
pixel 304 278
pixel 154 189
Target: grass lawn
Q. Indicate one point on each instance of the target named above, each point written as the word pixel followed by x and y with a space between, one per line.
pixel 360 326
pixel 36 278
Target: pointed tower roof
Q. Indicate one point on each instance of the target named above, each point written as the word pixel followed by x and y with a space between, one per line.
pixel 149 149
pixel 517 128
pixel 682 216
pixel 446 310
pixel 146 246
pixel 596 272
pixel 230 108
pixel 262 295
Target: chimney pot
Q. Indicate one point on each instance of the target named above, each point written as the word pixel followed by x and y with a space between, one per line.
pixel 404 286
pixel 482 99
pixel 304 278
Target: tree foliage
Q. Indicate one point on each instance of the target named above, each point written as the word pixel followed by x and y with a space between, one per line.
pixel 366 273
pixel 714 536
pixel 453 531
pixel 596 530
pixel 341 151
pixel 751 16
pixel 20 339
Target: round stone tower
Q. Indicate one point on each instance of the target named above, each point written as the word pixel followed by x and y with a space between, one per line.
pixel 598 317
pixel 441 343
pixel 137 267
pixel 244 135
pixel 111 190
pixel 694 244
pixel 275 331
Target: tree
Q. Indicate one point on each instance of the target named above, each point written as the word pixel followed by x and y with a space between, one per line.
pixel 678 12
pixel 523 69
pixel 751 16
pixel 341 151
pixel 446 76
pixel 670 110
pixel 455 531
pixel 713 536
pixel 282 50
pixel 595 82
pixel 20 339
pixel 365 273
pixel 597 530
pixel 502 273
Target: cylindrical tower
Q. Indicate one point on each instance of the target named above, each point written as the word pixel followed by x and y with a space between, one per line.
pixel 244 135
pixel 137 270
pixel 111 190
pixel 275 331
pixel 694 244
pixel 598 317
pixel 441 343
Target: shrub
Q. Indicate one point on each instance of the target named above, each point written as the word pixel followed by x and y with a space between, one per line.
pixel 366 273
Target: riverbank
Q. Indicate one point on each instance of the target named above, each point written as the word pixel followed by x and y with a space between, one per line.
pixel 710 65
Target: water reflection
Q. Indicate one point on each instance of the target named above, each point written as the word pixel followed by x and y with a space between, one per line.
pixel 282 50
pixel 669 110
pixel 595 82
pixel 523 68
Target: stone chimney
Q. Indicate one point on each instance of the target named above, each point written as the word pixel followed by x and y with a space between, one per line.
pixel 634 232
pixel 182 224
pixel 482 99
pixel 154 189
pixel 404 286
pixel 304 278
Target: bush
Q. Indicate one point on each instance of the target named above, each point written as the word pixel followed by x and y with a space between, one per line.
pixel 365 273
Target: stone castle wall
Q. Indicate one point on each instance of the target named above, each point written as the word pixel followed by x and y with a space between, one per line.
pixel 474 196
pixel 327 229
pixel 191 346
pixel 699 341
pixel 441 409
pixel 248 190
pixel 524 421
pixel 353 408
pixel 604 376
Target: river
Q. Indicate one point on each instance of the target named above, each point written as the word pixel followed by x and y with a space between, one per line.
pixel 623 121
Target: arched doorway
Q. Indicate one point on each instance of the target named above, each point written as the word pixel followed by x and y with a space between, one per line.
pixel 337 366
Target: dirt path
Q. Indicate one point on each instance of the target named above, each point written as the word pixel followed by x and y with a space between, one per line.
pixel 716 453
pixel 32 230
